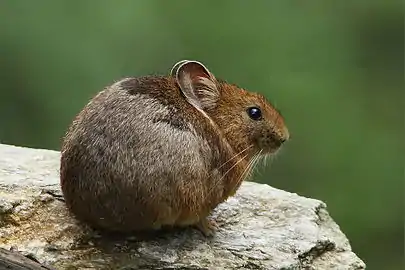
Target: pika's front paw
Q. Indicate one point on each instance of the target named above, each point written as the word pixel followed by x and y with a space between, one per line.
pixel 207 227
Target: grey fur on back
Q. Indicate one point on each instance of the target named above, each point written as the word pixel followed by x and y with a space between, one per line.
pixel 118 154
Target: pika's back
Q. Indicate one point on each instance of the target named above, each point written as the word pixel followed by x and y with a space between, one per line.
pixel 143 105
pixel 129 142
pixel 139 112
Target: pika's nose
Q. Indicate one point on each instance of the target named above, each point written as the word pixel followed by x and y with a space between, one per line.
pixel 281 138
pixel 285 135
pixel 278 140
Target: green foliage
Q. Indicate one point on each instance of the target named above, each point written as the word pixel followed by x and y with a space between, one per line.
pixel 335 70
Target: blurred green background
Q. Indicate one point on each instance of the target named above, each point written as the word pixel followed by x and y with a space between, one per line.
pixel 334 68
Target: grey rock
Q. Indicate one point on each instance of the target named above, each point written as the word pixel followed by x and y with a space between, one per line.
pixel 260 228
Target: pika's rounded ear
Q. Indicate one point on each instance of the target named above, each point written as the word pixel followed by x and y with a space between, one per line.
pixel 176 66
pixel 197 83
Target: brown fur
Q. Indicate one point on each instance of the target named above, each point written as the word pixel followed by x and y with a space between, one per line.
pixel 142 154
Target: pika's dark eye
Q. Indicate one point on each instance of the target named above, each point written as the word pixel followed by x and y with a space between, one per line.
pixel 255 113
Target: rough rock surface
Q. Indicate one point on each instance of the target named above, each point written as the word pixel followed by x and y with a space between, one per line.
pixel 261 228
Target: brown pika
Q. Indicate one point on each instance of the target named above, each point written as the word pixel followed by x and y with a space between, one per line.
pixel 161 151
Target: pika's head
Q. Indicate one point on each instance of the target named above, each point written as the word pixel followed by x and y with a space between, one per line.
pixel 250 123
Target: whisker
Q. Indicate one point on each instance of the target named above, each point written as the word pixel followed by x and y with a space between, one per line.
pixel 257 160
pixel 245 171
pixel 271 160
pixel 223 176
pixel 249 167
pixel 250 146
pixel 233 166
pixel 262 161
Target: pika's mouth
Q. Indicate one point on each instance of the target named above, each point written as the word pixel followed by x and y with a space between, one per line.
pixel 271 144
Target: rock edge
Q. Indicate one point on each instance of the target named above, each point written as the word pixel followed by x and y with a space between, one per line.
pixel 260 228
